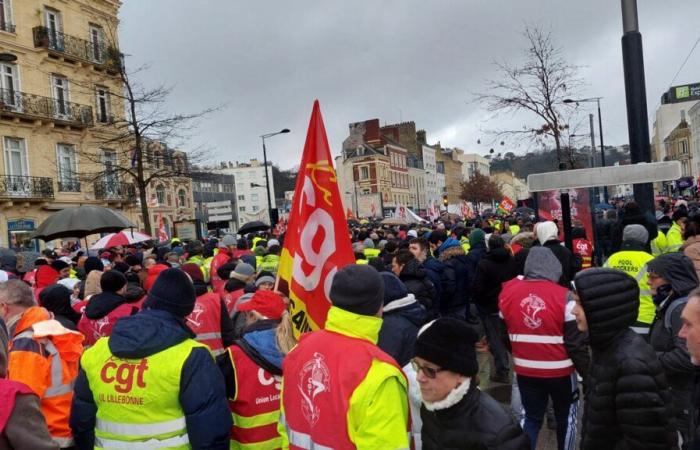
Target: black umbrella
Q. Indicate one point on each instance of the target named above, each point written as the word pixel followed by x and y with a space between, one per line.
pixel 252 227
pixel 80 222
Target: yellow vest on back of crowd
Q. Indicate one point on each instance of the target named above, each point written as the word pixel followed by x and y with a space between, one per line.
pixel 634 264
pixel 674 238
pixel 138 401
pixel 659 245
pixel 514 229
pixel 371 253
pixel 464 242
pixel 256 239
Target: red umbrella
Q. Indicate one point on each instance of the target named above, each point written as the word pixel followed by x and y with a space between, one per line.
pixel 122 238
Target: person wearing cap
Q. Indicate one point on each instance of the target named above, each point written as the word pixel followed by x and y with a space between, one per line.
pixel 57 300
pixel 239 278
pixel 326 405
pixel 151 384
pixel 209 320
pixel 226 246
pixel 546 346
pixel 252 368
pixel 265 281
pixel 628 404
pixel 455 413
pixel 104 309
pixel 671 278
pixel 632 259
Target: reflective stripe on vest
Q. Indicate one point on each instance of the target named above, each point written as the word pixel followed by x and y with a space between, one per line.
pixel 57 386
pixel 63 442
pixel 640 330
pixel 536 339
pixel 173 442
pixel 141 429
pixel 301 440
pixel 633 263
pixel 562 364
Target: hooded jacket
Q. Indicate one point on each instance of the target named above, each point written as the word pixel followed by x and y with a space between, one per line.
pixel 476 422
pixel 415 277
pixel 628 404
pixel 202 391
pixel 455 277
pixel 671 349
pixel 495 268
pixel 401 320
pixel 56 299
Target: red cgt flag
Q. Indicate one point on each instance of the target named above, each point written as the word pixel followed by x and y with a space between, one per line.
pixel 317 244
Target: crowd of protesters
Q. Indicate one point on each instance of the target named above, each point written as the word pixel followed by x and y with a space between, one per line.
pixel 190 345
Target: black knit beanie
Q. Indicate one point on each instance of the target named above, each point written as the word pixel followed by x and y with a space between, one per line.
pixel 112 281
pixel 173 292
pixel 449 343
pixel 93 263
pixel 358 289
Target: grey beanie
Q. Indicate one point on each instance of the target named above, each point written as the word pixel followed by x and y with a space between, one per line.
pixel 368 243
pixel 358 289
pixel 243 272
pixel 264 279
pixel 636 233
pixel 228 241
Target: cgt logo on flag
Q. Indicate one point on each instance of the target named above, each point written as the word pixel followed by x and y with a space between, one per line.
pixel 316 245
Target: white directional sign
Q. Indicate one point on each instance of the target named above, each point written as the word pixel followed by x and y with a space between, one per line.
pixel 219 211
pixel 605 176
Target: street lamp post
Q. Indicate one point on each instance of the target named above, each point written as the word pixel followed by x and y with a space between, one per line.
pixel 267 175
pixel 600 131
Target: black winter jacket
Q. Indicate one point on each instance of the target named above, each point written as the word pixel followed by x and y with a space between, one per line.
pixel 495 268
pixel 476 422
pixel 628 404
pixel 673 355
pixel 397 336
pixel 454 279
pixel 415 277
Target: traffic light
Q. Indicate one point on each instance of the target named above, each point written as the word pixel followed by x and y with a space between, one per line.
pixel 445 202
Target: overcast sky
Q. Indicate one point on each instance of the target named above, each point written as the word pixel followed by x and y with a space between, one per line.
pixel 391 59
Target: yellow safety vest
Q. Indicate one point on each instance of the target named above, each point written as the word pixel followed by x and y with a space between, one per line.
pixel 138 405
pixel 674 238
pixel 256 239
pixel 464 242
pixel 634 263
pixel 361 261
pixel 371 253
pixel 659 245
pixel 514 229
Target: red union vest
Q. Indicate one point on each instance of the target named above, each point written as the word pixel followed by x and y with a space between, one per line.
pixel 534 312
pixel 9 390
pixel 95 329
pixel 205 321
pixel 256 407
pixel 584 250
pixel 318 385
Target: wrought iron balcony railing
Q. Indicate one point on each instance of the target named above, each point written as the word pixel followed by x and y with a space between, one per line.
pixel 21 187
pixel 115 191
pixel 68 186
pixel 23 104
pixel 95 52
pixel 7 26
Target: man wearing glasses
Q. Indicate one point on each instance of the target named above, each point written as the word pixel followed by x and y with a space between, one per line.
pixel 455 413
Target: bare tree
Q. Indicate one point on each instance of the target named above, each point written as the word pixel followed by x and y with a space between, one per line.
pixel 538 86
pixel 140 136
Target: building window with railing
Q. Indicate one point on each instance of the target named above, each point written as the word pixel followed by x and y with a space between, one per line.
pixel 182 198
pixel 61 95
pixel 67 170
pixel 54 29
pixel 97 43
pixel 6 22
pixel 102 104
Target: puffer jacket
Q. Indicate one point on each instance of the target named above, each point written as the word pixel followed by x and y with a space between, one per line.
pixel 497 267
pixel 628 404
pixel 672 350
pixel 475 422
pixel 415 277
pixel 401 320
pixel 454 280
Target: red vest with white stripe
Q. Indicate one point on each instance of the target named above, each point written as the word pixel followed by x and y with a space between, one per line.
pixel 320 376
pixel 256 407
pixel 93 329
pixel 205 321
pixel 534 312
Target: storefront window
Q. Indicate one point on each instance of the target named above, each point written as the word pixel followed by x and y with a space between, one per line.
pixel 18 235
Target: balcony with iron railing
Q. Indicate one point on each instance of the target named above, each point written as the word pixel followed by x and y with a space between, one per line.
pixel 8 27
pixel 14 187
pixel 69 185
pixel 67 46
pixel 21 104
pixel 114 191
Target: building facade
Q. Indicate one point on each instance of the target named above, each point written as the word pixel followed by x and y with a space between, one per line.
pixel 251 192
pixel 214 197
pixel 472 163
pixel 433 187
pixel 677 146
pixel 398 169
pixel 676 100
pixel 449 157
pixel 511 186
